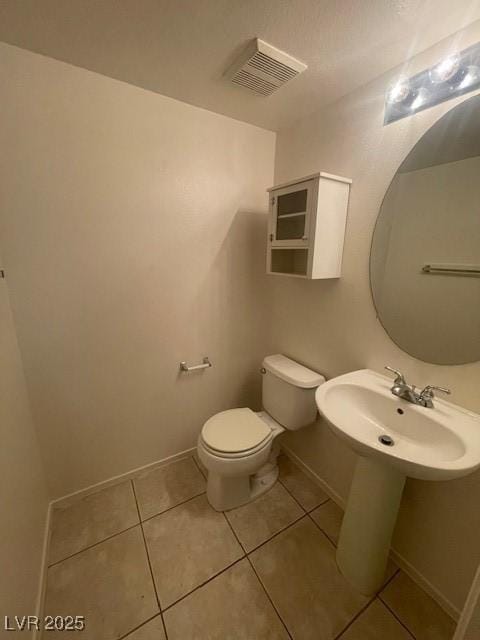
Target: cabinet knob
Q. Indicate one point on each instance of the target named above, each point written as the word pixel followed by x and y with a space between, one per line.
pixel 271 237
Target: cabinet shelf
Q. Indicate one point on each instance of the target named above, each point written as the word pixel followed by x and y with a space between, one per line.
pixel 292 215
pixel 307 220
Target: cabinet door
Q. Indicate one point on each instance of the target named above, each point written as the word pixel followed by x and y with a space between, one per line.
pixel 290 209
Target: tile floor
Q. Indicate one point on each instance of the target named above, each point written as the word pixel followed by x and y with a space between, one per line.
pixel 149 559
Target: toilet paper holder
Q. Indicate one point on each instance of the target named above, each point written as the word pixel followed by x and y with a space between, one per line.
pixel 205 365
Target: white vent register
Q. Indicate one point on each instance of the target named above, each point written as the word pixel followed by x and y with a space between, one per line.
pixel 263 69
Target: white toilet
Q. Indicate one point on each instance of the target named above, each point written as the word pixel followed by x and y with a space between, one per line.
pixel 238 446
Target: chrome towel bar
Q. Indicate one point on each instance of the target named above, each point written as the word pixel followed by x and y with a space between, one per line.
pixel 452 269
pixel 206 364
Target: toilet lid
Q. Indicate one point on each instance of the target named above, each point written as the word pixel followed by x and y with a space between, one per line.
pixel 235 430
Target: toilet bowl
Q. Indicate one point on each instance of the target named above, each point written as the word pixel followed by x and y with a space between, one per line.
pixel 239 447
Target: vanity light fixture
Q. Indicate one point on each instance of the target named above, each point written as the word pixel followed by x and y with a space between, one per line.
pixel 446 70
pixel 453 76
pixel 400 92
pixel 471 77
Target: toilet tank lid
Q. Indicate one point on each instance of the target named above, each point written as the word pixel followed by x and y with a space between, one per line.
pixel 292 371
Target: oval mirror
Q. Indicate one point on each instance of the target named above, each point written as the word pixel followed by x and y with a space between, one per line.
pixel 425 255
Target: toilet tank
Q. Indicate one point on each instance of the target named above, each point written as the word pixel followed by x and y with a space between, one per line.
pixel 288 391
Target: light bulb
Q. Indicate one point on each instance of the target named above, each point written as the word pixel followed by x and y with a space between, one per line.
pixel 445 70
pixel 420 99
pixel 471 77
pixel 399 92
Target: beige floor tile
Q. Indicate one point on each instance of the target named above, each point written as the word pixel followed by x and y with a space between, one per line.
pixel 91 520
pixel 329 518
pixel 376 623
pixel 308 494
pixel 299 572
pixel 168 486
pixel 110 584
pixel 152 630
pixel 187 546
pixel 424 618
pixel 233 606
pixel 259 520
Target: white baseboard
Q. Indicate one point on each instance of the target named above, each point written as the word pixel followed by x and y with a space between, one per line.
pixel 336 497
pixel 82 493
pixel 42 582
pixel 425 584
pixel 399 560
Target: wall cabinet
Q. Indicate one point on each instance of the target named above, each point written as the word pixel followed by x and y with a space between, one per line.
pixel 306 230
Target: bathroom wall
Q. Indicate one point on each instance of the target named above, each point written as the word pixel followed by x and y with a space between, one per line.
pixel 133 229
pixel 332 326
pixel 23 494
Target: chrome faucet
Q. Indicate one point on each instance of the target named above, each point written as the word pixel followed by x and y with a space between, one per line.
pixel 408 392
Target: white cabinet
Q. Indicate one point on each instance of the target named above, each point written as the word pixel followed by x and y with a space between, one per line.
pixel 307 219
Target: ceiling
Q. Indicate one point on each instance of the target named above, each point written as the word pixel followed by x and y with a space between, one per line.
pixel 181 48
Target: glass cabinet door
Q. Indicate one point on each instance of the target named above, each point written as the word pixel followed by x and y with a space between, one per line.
pixel 290 207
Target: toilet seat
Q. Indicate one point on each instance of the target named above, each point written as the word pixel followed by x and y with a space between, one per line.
pixel 235 433
pixel 238 454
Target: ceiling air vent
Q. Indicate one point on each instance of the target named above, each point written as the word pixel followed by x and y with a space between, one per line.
pixel 263 69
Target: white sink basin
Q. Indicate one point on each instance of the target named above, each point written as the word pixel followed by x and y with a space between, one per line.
pixel 428 444
pixel 436 443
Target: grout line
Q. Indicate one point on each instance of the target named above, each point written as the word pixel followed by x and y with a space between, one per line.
pixel 243 557
pixel 291 494
pixel 277 533
pixel 234 532
pixel 372 599
pixel 391 609
pixel 72 498
pixel 385 584
pixel 246 555
pixel 395 615
pixel 149 563
pixel 269 598
pixel 95 544
pixel 160 513
pixel 327 499
pixel 199 586
pixel 139 626
pixel 347 626
pixel 322 531
pixel 309 513
pixel 140 521
pixel 320 505
pixel 255 572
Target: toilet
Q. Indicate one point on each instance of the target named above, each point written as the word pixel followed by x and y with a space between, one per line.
pixel 239 447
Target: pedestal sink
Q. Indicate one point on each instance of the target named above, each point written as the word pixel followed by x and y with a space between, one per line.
pixel 394 439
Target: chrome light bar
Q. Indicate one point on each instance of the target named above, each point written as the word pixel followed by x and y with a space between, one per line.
pixel 453 76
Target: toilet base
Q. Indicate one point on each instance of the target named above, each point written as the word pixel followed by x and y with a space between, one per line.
pixel 226 493
pixel 263 480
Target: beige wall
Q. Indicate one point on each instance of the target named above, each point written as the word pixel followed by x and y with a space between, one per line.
pixel 133 229
pixel 332 326
pixel 23 495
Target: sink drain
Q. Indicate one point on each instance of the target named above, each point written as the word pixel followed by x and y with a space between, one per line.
pixel 386 440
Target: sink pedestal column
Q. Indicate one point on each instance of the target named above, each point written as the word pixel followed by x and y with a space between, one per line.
pixel 368 524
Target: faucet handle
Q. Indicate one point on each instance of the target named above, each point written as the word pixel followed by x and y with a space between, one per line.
pixel 400 379
pixel 429 389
